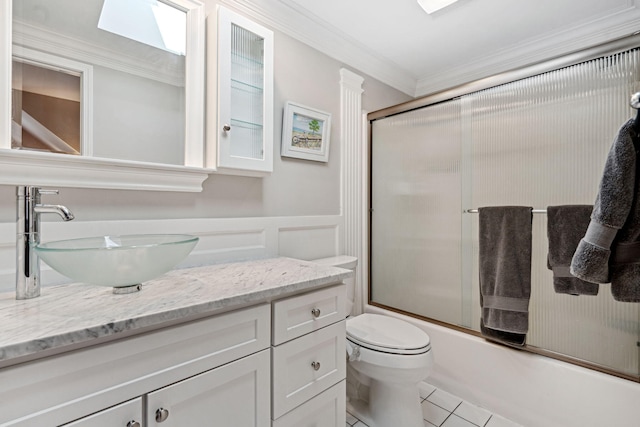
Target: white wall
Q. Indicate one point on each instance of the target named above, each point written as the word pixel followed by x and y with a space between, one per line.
pixel 293 212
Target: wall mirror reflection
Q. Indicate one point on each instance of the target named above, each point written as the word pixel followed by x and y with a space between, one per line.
pixel 102 78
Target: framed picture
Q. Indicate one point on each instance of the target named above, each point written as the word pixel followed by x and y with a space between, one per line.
pixel 305 133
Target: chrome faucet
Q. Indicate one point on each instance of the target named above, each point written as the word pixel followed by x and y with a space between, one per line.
pixel 28 212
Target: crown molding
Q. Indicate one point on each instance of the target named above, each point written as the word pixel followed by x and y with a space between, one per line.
pixel 619 23
pixel 44 40
pixel 289 18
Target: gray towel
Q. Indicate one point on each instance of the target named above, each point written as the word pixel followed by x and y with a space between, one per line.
pixel 565 227
pixel 615 223
pixel 505 272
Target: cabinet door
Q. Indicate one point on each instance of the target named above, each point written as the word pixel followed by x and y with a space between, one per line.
pixel 128 414
pixel 236 394
pixel 245 95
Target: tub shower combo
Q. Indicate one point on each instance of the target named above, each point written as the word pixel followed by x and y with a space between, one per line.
pixel 539 142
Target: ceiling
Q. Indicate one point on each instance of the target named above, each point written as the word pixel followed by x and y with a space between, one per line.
pixel 399 44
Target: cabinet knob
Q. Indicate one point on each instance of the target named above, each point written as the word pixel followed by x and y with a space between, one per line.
pixel 161 415
pixel 226 128
pixel 133 423
pixel 315 365
pixel 315 312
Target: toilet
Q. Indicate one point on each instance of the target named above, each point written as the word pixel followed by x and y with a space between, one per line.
pixel 387 356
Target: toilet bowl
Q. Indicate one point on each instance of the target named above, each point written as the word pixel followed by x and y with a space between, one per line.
pixel 390 356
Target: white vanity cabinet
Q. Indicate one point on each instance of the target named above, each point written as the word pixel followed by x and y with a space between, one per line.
pixel 200 366
pixel 225 369
pixel 241 127
pixel 308 359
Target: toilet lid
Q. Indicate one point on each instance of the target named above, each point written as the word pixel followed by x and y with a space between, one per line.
pixel 387 334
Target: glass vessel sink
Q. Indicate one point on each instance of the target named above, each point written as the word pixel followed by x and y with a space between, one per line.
pixel 123 262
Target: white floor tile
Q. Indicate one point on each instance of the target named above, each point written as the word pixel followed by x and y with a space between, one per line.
pixel 444 400
pixel 433 413
pixel 498 421
pixel 351 420
pixel 455 421
pixel 425 390
pixel 472 413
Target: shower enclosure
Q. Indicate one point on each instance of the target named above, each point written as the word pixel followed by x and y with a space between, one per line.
pixel 536 141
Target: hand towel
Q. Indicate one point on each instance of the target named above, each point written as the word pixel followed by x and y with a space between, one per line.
pixel 505 272
pixel 565 227
pixel 615 223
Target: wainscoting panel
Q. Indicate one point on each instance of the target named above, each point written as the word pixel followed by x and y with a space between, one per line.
pixel 318 240
pixel 221 239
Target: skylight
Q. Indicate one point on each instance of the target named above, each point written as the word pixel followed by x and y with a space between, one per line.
pixel 151 22
pixel 431 6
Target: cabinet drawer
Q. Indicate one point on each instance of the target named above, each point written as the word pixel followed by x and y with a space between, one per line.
pixel 328 409
pixel 306 366
pixel 299 315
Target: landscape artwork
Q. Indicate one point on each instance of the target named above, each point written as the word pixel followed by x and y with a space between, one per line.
pixel 305 133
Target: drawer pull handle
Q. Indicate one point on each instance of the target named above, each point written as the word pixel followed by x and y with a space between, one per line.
pixel 315 365
pixel 133 423
pixel 162 415
pixel 315 312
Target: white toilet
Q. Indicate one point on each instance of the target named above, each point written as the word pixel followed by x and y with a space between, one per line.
pixel 388 355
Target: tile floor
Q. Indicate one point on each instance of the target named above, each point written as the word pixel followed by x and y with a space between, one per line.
pixel 441 409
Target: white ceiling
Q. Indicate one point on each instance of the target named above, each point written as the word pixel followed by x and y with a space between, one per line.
pixel 399 44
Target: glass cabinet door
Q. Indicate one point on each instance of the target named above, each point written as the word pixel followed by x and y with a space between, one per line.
pixel 245 95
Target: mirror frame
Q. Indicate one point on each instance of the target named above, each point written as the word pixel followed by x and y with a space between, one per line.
pixel 22 167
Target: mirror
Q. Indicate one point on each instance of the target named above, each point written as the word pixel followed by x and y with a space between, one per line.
pixel 108 82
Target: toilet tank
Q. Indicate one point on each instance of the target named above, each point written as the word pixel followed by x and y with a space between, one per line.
pixel 349 263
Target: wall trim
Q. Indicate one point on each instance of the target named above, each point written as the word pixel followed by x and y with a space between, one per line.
pixel 353 160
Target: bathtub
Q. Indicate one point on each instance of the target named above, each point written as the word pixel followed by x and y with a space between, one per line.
pixel 530 389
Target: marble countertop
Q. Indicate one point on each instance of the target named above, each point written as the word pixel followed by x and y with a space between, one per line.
pixel 76 315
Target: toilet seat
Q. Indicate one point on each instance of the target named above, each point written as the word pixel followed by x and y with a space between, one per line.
pixel 387 334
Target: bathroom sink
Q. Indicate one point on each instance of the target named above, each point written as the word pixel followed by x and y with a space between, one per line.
pixel 123 262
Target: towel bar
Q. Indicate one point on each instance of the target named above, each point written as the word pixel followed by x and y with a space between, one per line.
pixel 535 211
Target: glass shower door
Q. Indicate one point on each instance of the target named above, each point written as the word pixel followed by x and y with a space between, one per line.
pixel 416 233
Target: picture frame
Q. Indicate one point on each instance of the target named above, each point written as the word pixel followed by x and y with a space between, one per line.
pixel 305 133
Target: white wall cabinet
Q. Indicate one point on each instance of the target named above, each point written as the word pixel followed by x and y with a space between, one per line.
pixel 242 129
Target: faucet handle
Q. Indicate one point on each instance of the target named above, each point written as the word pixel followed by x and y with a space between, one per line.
pixel 47 191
